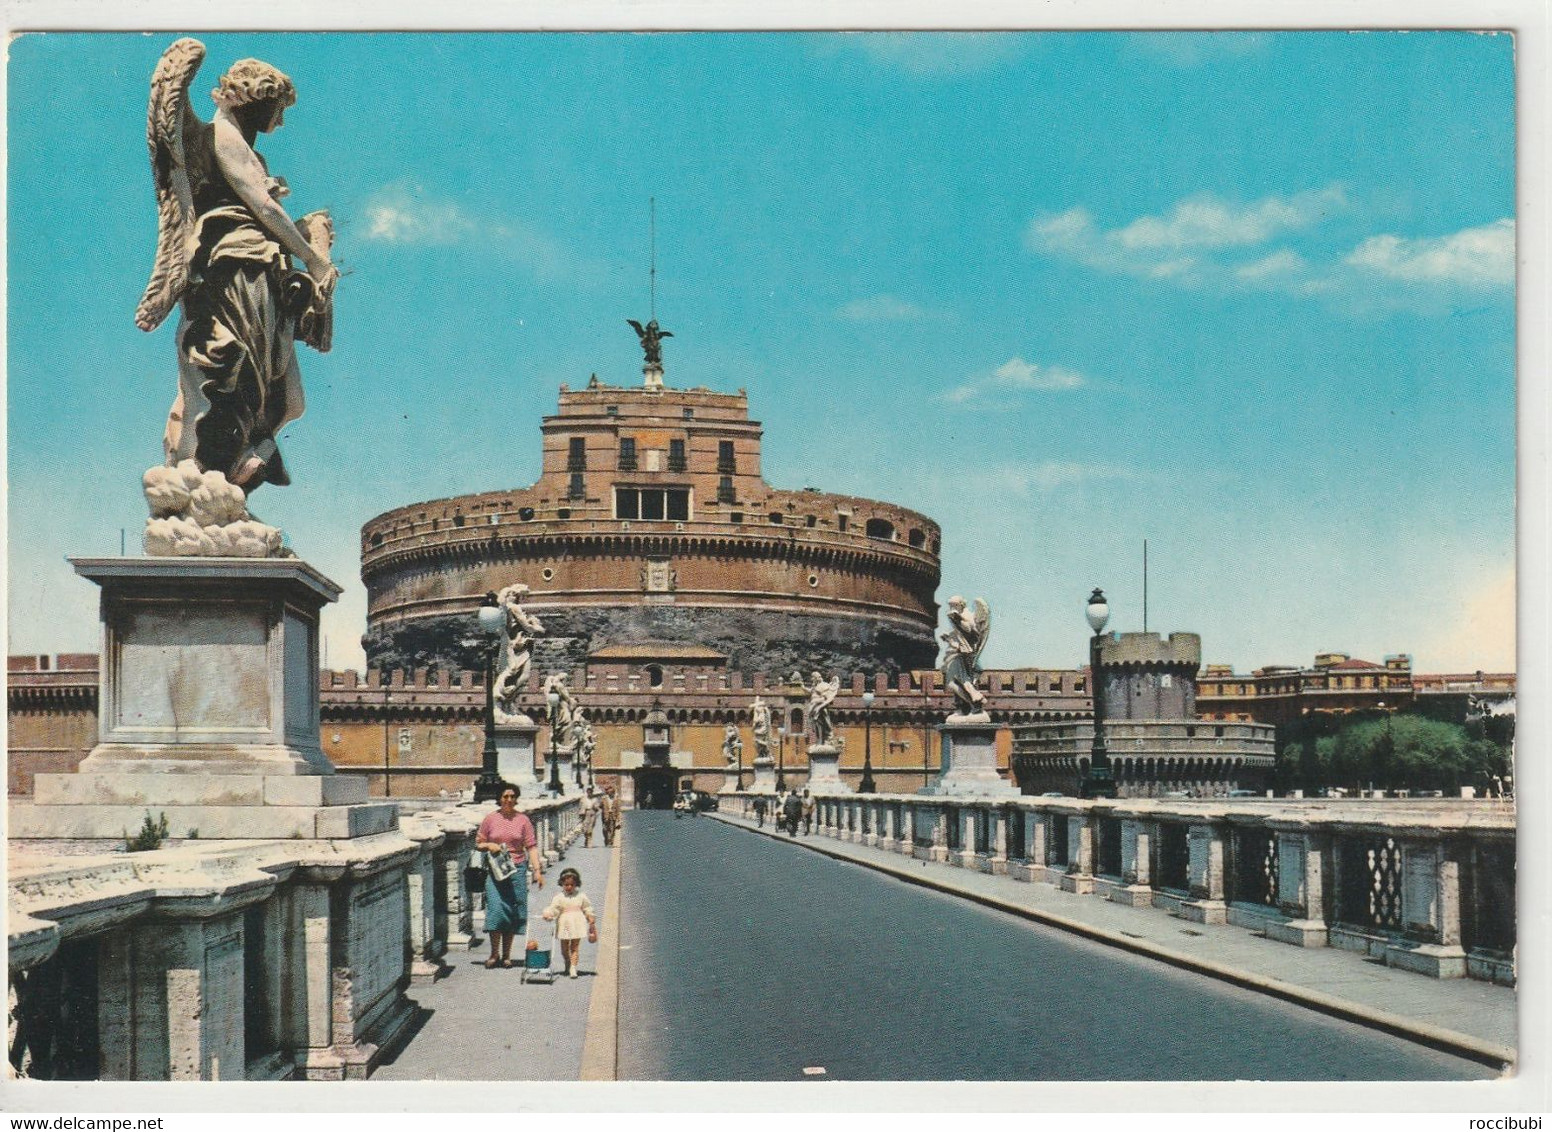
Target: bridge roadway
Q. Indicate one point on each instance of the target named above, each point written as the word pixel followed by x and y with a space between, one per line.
pixel 749 958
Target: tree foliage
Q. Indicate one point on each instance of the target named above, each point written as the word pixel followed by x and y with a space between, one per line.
pixel 1395 752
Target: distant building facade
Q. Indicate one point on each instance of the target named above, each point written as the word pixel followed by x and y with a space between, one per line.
pixel 1339 684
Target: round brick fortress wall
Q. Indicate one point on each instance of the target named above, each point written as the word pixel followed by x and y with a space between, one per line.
pixel 754 640
pixel 772 597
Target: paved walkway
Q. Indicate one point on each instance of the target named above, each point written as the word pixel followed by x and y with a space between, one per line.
pixel 1464 1016
pixel 480 1025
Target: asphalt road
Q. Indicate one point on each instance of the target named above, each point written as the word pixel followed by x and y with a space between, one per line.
pixel 746 959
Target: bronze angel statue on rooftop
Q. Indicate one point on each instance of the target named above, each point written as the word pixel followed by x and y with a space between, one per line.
pixel 962 645
pixel 226 253
pixel 651 336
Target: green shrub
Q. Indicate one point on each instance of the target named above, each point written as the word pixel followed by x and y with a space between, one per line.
pixel 151 835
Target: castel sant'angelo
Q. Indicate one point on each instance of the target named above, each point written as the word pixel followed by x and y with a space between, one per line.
pixel 651 530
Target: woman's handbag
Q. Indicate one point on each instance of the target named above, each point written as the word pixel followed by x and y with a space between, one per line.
pixel 501 865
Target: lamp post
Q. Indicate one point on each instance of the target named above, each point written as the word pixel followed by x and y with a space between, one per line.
pixel 781 759
pixel 866 786
pixel 1386 753
pixel 492 621
pixel 555 788
pixel 1099 781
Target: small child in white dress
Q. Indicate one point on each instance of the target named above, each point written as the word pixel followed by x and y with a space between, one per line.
pixel 576 918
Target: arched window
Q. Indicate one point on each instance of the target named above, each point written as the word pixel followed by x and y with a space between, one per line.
pixel 918 538
pixel 655 675
pixel 881 528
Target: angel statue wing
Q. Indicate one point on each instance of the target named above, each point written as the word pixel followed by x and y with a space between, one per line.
pixel 641 331
pixel 983 629
pixel 176 136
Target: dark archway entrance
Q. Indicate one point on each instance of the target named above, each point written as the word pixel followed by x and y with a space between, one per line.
pixel 654 788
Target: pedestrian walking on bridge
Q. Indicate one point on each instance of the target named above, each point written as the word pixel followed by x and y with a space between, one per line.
pixel 508 839
pixel 609 810
pixel 792 813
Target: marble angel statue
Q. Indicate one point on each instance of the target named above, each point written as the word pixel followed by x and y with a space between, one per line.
pixel 821 694
pixel 522 628
pixel 227 256
pixel 962 645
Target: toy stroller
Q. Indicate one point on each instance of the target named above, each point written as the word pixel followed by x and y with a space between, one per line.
pixel 536 961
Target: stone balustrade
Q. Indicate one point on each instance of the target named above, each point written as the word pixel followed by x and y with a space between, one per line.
pixel 255 960
pixel 1425 884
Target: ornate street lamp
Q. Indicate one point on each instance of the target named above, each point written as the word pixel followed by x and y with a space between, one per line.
pixel 866 786
pixel 492 620
pixel 781 758
pixel 555 788
pixel 1099 781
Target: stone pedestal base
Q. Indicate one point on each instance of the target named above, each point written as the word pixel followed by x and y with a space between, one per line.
pixel 1300 933
pixel 208 710
pixel 1441 961
pixel 730 777
pixel 1026 871
pixel 969 766
pixel 1204 911
pixel 824 775
pixel 764 779
pixel 515 753
pixel 1080 883
pixel 1132 895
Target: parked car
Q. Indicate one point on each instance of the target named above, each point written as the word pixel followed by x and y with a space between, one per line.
pixel 704 801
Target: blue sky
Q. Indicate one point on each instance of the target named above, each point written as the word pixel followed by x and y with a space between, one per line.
pixel 1246 295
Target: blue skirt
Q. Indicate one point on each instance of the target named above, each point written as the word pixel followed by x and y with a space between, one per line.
pixel 506 903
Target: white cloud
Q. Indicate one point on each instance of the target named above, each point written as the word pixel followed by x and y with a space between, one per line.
pixel 882 308
pixel 404 213
pixel 1204 221
pixel 1014 376
pixel 1186 244
pixel 1475 257
pixel 1280 264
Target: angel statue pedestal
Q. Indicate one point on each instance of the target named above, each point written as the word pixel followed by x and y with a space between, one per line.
pixel 764 777
pixel 516 738
pixel 824 772
pixel 969 760
pixel 207 709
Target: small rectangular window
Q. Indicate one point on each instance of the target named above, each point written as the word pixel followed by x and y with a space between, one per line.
pixel 676 461
pixel 627 454
pixel 725 461
pixel 577 490
pixel 576 455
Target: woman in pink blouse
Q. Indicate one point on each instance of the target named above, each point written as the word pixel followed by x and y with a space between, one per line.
pixel 506 901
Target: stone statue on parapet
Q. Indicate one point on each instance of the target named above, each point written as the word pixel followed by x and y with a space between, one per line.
pixel 227 257
pixel 760 724
pixel 821 694
pixel 563 711
pixel 584 739
pixel 522 628
pixel 962 645
pixel 732 745
pixel 651 336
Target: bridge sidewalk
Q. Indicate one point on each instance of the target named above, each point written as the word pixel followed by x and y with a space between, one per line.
pixel 481 1025
pixel 1464 1016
